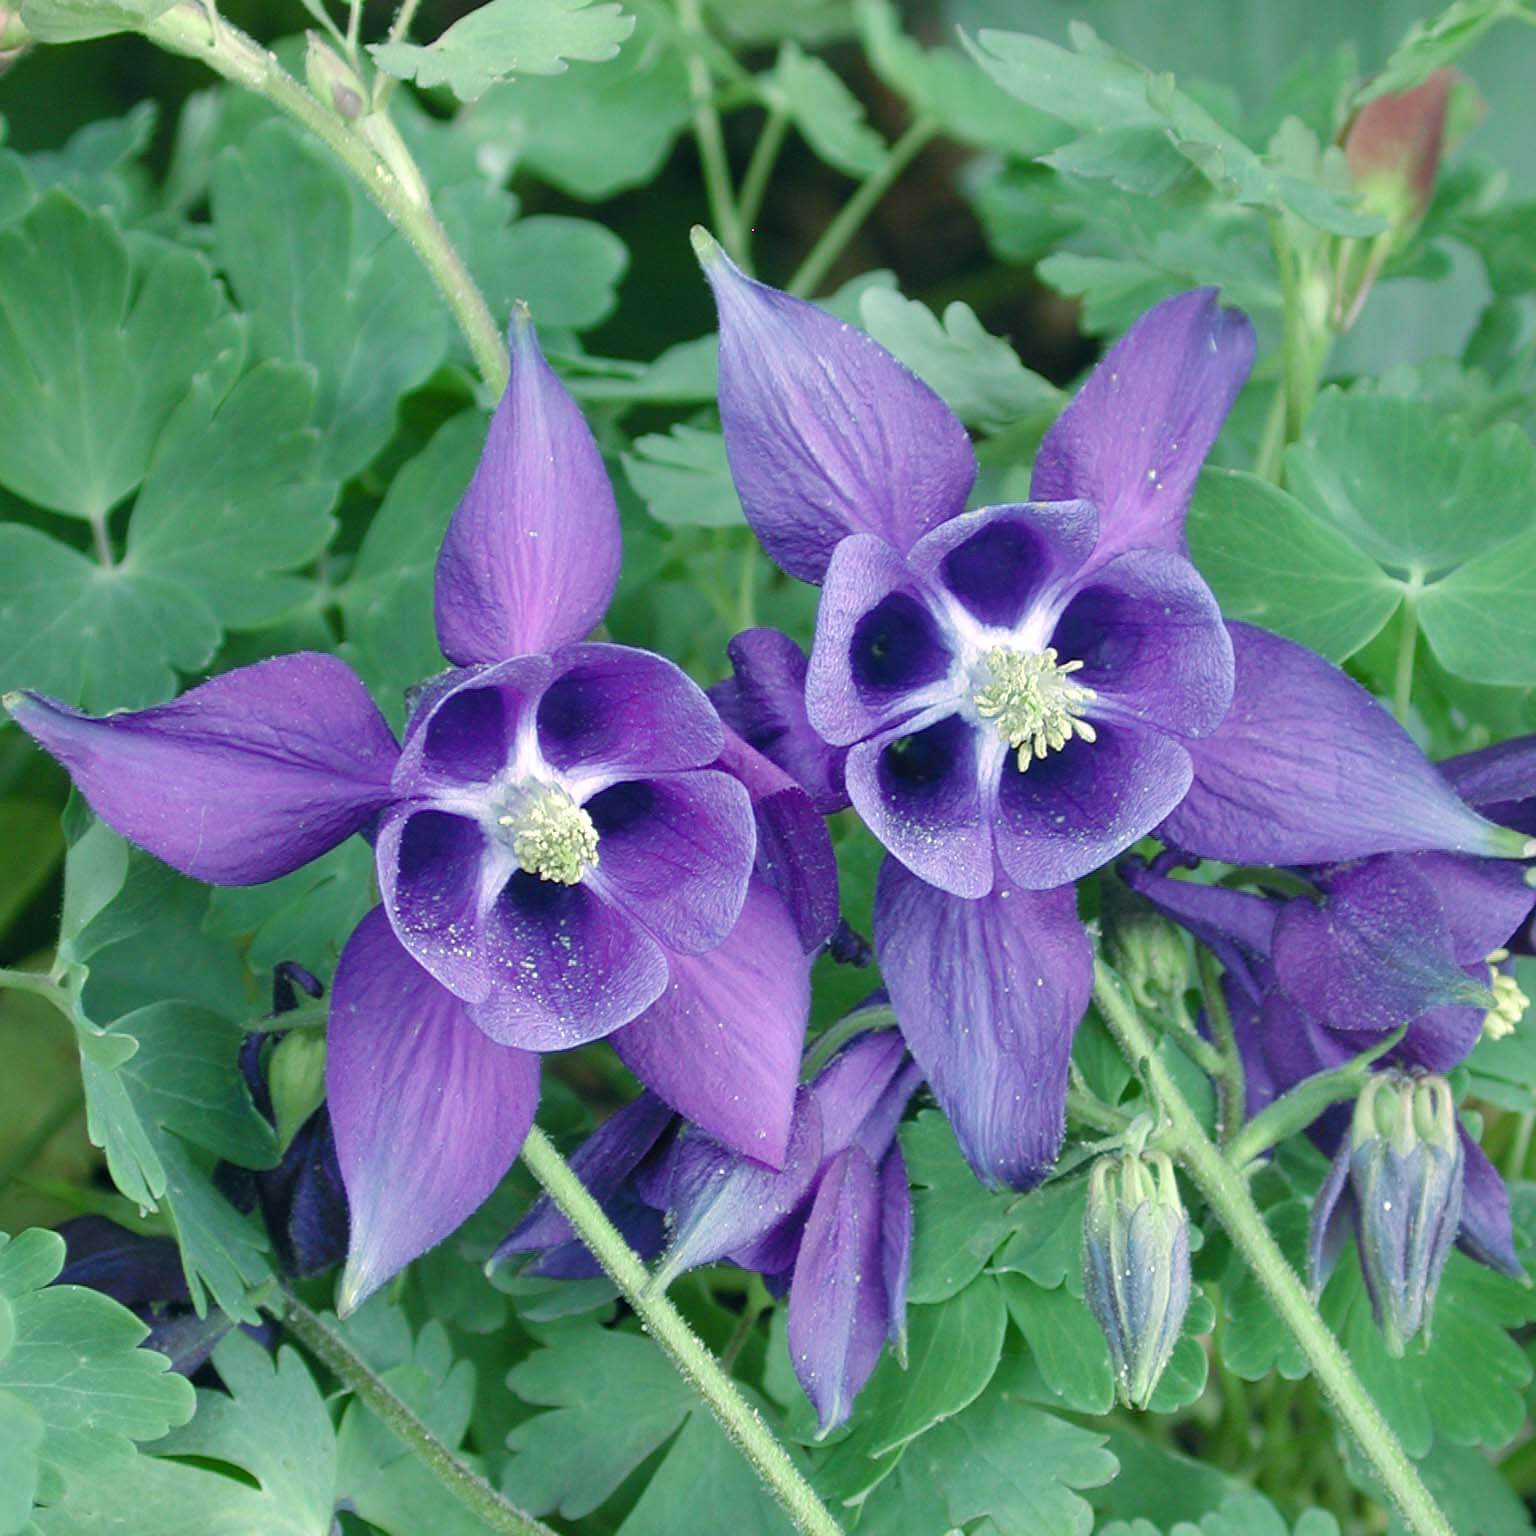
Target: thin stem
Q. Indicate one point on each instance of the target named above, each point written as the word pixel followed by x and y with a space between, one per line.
pixel 393 183
pixel 1087 1109
pixel 46 1129
pixel 746 586
pixel 835 1036
pixel 333 1351
pixel 670 1330
pixel 709 136
pixel 1228 1196
pixel 38 984
pixel 384 85
pixel 1407 650
pixel 1271 456
pixel 842 229
pixel 102 540
pixel 1230 1083
pixel 765 155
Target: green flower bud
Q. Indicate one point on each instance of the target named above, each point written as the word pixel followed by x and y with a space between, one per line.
pixel 332 81
pixel 1146 949
pixel 1136 1277
pixel 296 1081
pixel 1406 1174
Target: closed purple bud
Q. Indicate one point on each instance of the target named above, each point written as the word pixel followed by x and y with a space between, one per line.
pixel 1136 1277
pixel 1407 1172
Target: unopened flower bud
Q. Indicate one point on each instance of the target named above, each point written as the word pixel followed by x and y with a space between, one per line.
pixel 1146 949
pixel 1394 144
pixel 332 81
pixel 1136 1266
pixel 13 32
pixel 1406 1173
pixel 296 1081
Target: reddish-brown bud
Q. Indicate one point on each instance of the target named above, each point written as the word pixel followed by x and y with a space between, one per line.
pixel 1393 145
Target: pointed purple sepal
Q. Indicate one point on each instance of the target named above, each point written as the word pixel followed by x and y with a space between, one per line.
pixel 722 1043
pixel 1486 1231
pixel 429 1113
pixel 838 1310
pixel 1134 438
pixel 1307 768
pixel 1499 781
pixel 826 432
pixel 988 994
pixel 241 779
pixel 531 557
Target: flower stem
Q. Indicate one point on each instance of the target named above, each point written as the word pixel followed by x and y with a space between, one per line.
pixel 333 1351
pixel 845 226
pixel 1230 1082
pixel 200 33
pixel 765 155
pixel 1227 1193
pixel 670 1330
pixel 1407 650
pixel 709 137
pixel 38 984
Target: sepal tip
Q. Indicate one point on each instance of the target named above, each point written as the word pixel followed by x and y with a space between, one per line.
pixel 705 247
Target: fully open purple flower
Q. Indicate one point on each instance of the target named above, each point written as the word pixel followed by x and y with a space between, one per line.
pixel 565 844
pixel 1022 692
pixel 833 1226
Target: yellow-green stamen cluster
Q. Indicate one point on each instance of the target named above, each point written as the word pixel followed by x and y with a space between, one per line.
pixel 1509 1002
pixel 1034 702
pixel 552 837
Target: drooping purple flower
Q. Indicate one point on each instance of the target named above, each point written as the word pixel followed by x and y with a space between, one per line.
pixel 832 1227
pixel 565 847
pixel 1025 691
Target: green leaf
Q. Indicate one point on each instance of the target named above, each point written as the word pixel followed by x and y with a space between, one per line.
pixel 75 21
pixel 614 1401
pixel 21 1438
pixel 1001 1460
pixel 387 599
pixel 234 497
pixel 272 1425
pixel 1047 1243
pixel 957 1223
pixel 827 114
pixel 1271 562
pixel 1481 617
pixel 74 1387
pixel 1066 1344
pixel 591 132
pixel 91 164
pixel 978 375
pixel 1241 1514
pixel 326 282
pixel 505 38
pixel 1469 1487
pixel 1254 1341
pixel 682 477
pixel 1439 41
pixel 96 350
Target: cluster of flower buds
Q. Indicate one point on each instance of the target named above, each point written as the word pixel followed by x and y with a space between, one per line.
pixel 1136 1266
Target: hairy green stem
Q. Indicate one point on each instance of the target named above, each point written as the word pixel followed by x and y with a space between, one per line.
pixel 1230 1084
pixel 333 1351
pixel 835 1036
pixel 1227 1193
pixel 1407 650
pixel 842 229
pixel 39 985
pixel 670 1330
pixel 390 180
pixel 709 136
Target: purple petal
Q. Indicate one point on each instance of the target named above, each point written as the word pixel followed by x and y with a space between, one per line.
pixel 1001 563
pixel 1074 810
pixel 794 848
pixel 851 1087
pixel 243 778
pixel 895 1244
pixel 675 853
pixel 604 1162
pixel 544 966
pixel 463 724
pixel 1377 952
pixel 615 712
pixel 988 994
pixel 428 1112
pixel 839 1313
pixel 1307 768
pixel 1486 1233
pixel 130 1267
pixel 1499 782
pixel 531 557
pixel 1152 643
pixel 921 795
pixel 1133 440
pixel 880 652
pixel 722 1043
pixel 1484 900
pixel 723 1202
pixel 1331 1222
pixel 764 703
pixel 826 432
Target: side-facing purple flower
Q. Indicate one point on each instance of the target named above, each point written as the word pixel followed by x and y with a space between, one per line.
pixel 561 853
pixel 833 1226
pixel 1025 691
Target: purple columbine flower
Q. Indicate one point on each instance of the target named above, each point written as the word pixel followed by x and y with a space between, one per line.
pixel 1022 692
pixel 1312 982
pixel 832 1227
pixel 565 845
